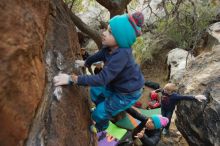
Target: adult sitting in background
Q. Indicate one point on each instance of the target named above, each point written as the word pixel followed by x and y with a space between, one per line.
pixel 148 131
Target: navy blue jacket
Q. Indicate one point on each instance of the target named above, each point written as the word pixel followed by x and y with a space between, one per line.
pixel 120 72
pixel 168 102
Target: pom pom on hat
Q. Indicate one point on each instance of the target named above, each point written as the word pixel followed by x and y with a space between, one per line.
pixel 126 28
pixel 138 18
pixel 159 121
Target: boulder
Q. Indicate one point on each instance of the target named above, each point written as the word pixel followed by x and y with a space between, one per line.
pixel 214 30
pixel 91 46
pixel 38 40
pixel 177 60
pixel 199 122
pixel 208 39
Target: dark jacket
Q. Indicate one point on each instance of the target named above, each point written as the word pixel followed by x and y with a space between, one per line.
pixel 151 137
pixel 168 102
pixel 120 72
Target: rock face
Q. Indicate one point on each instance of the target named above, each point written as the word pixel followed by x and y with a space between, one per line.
pixel 208 39
pixel 38 40
pixel 200 122
pixel 177 60
pixel 214 30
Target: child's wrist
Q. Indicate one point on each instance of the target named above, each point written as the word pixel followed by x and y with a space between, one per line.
pixel 74 78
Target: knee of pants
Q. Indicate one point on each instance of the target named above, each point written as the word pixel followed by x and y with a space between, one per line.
pixel 100 114
pixel 96 92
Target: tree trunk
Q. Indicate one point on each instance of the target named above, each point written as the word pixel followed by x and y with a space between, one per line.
pixel 38 40
pixel 115 7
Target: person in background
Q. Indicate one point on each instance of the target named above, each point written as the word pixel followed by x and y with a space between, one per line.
pixel 148 131
pixel 169 100
pixel 85 55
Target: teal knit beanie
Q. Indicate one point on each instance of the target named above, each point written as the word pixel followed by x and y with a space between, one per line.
pixel 159 121
pixel 125 28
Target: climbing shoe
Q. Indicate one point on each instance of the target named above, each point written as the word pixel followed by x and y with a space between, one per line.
pixel 93 129
pixel 165 131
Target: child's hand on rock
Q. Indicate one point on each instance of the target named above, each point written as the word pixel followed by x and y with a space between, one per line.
pixel 200 97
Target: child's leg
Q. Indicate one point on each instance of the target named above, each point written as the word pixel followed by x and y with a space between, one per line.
pixel 96 94
pixel 101 117
pixel 169 116
pixel 164 113
pixel 114 104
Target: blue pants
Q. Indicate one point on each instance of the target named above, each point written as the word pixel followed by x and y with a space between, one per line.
pixel 109 104
pixel 168 114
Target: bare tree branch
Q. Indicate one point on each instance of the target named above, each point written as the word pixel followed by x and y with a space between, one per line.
pixel 86 29
pixel 71 6
pixel 115 7
pixel 165 8
pixel 176 7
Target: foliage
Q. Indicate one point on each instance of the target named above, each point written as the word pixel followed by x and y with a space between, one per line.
pixel 184 25
pixel 141 49
pixel 80 5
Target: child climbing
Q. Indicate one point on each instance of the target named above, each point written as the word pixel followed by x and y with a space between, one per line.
pixel 148 131
pixel 118 86
pixel 169 100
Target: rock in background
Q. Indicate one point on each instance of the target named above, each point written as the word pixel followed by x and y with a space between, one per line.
pixel 200 122
pixel 177 61
pixel 208 39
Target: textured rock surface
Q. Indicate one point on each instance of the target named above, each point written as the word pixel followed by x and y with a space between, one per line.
pixel 214 30
pixel 200 122
pixel 177 60
pixel 22 72
pixel 208 39
pixel 37 41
